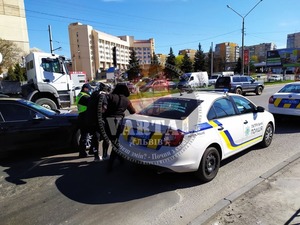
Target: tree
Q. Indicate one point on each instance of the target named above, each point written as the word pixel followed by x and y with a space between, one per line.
pixel 170 67
pixel 10 53
pixel 155 66
pixel 238 67
pixel 199 61
pixel 134 68
pixel 209 61
pixel 178 60
pixel 16 74
pixel 187 64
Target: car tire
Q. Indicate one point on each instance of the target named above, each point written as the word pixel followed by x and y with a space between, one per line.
pixel 268 136
pixel 239 91
pixel 150 89
pixel 209 165
pixel 259 90
pixel 47 103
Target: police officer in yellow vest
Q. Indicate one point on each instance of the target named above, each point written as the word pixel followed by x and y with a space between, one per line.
pixel 82 100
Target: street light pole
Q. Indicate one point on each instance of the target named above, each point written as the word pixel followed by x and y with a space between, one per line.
pixel 243 30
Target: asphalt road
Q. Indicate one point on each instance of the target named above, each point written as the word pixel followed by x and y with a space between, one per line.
pixel 62 189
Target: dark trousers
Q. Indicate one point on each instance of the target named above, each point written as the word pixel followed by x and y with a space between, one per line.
pixel 113 130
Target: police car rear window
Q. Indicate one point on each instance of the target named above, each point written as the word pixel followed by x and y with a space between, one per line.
pixel 171 108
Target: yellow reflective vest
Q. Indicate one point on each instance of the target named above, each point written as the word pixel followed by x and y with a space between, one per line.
pixel 81 108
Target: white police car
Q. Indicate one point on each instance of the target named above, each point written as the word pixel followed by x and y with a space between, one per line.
pixel 286 101
pixel 193 132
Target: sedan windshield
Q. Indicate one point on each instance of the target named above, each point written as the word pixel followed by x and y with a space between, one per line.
pixel 290 88
pixel 171 108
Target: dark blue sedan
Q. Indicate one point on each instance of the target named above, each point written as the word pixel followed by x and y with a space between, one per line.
pixel 26 125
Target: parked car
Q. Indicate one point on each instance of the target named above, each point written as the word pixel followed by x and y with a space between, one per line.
pixel 239 84
pixel 212 80
pixel 286 101
pixel 26 125
pixel 155 85
pixel 193 132
pixel 131 86
pixel 274 78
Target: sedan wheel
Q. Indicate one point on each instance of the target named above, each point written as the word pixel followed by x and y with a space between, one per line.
pixel 209 165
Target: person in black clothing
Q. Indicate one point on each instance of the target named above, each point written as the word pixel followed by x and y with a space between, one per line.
pixel 82 100
pixel 114 106
pixel 93 121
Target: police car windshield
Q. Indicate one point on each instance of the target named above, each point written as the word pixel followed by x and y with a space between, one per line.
pixel 290 88
pixel 171 108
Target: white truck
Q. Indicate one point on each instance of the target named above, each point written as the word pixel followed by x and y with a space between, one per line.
pixel 48 81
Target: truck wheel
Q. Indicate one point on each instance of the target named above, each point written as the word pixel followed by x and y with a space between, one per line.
pixel 209 165
pixel 258 90
pixel 47 103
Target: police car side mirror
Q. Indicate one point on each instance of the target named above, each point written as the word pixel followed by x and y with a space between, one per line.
pixel 260 109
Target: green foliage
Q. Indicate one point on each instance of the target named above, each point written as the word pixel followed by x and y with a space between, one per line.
pixel 187 64
pixel 16 74
pixel 134 66
pixel 178 60
pixel 199 60
pixel 209 61
pixel 170 67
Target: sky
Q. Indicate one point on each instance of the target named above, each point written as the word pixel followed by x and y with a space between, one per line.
pixel 176 24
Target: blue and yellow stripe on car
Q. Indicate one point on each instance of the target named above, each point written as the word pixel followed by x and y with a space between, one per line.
pixel 154 139
pixel 226 136
pixel 287 103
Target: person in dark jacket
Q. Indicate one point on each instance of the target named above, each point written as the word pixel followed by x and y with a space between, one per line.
pixel 82 100
pixel 114 106
pixel 93 120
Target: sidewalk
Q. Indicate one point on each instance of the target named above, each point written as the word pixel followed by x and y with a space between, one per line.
pixel 271 199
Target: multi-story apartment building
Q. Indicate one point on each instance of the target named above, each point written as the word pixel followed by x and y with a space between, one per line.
pixel 190 52
pixel 144 50
pixel 227 51
pixel 293 40
pixel 260 51
pixel 13 24
pixel 92 50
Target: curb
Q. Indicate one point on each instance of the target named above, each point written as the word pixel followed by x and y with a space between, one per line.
pixel 220 205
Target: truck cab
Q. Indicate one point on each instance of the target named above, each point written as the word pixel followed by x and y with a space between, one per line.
pixel 49 83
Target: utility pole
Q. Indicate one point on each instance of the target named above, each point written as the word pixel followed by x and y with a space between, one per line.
pixel 50 38
pixel 212 60
pixel 243 30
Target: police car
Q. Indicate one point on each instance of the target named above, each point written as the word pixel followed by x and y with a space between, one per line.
pixel 286 101
pixel 193 132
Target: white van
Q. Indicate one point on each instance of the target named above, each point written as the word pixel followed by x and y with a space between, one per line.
pixel 194 79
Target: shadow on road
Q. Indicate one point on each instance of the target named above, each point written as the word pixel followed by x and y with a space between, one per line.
pixel 286 125
pixel 88 182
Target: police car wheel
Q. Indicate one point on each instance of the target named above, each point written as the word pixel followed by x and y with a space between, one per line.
pixel 209 165
pixel 268 136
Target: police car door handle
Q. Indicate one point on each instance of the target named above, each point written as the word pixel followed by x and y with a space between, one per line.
pixel 221 128
pixel 246 121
